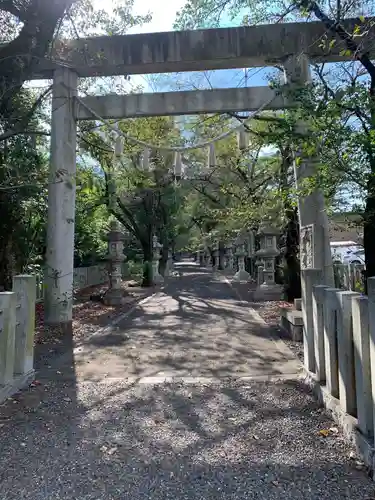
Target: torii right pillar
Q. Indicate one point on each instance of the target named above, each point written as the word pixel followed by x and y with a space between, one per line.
pixel 315 251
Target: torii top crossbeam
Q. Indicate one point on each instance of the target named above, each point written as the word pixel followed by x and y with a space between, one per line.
pixel 198 50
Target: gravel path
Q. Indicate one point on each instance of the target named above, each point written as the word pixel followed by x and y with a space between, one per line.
pixel 221 438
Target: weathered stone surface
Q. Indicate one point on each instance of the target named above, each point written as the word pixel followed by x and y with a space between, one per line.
pixel 361 339
pixel 309 278
pixel 346 352
pixel 179 103
pixel 58 298
pixel 25 288
pixel 292 322
pixel 318 325
pixel 195 50
pixel 298 304
pixel 8 301
pixel 330 307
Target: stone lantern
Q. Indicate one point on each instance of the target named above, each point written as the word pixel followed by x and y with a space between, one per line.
pixel 157 278
pixel 241 274
pixel 266 257
pixel 114 295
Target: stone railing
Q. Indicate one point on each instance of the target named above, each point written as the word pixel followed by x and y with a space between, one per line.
pixel 83 277
pixel 17 325
pixel 339 355
pixel 349 276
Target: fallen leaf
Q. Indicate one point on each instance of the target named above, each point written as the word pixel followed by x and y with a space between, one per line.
pixel 324 432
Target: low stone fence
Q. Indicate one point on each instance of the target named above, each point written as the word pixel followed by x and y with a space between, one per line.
pixel 349 277
pixel 17 325
pixel 83 277
pixel 339 354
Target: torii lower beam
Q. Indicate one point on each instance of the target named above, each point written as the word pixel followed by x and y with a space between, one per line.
pixel 180 103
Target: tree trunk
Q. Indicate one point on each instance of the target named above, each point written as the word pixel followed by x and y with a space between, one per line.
pixel 369 215
pixel 369 228
pixel 293 270
pixel 20 57
pixel 147 264
pixel 221 256
pixel 6 263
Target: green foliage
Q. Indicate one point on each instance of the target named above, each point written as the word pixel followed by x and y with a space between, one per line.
pixel 23 157
pixel 91 218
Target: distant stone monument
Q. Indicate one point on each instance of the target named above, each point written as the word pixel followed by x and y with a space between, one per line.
pixel 115 294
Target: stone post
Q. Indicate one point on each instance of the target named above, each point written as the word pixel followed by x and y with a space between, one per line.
pixel 266 256
pixel 260 279
pixel 312 212
pixel 198 257
pixel 8 302
pixel 361 339
pixel 345 351
pixel 241 274
pixel 310 278
pixel 371 325
pixel 114 295
pixel 318 322
pixel 58 297
pixel 330 308
pixel 169 266
pixel 25 288
pixel 157 278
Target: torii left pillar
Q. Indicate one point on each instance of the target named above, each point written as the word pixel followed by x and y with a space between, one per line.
pixel 61 203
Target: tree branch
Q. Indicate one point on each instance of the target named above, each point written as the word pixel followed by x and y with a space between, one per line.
pixel 25 120
pixel 337 27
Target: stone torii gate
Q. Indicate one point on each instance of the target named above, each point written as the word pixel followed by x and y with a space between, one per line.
pixel 292 45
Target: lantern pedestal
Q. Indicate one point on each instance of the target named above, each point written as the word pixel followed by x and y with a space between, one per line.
pixel 241 274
